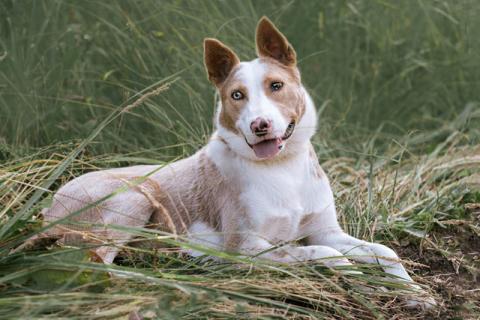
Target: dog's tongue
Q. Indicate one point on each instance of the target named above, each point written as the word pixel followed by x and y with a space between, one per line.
pixel 267 148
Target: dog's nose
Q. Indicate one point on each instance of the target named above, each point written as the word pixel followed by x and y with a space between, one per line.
pixel 261 126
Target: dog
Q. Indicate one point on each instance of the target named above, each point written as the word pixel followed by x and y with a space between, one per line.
pixel 257 183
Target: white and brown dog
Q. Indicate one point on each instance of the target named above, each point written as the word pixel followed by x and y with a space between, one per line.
pixel 255 185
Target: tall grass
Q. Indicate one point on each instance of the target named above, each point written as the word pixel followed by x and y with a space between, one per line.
pixel 396 85
pixel 65 65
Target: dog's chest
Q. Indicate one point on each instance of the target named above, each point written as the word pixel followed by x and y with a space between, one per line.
pixel 279 199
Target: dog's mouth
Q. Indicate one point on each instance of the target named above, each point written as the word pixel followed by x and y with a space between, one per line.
pixel 269 148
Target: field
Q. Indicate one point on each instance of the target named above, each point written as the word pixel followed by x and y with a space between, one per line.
pixel 86 85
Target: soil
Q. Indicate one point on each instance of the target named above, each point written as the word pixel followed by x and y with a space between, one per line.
pixel 451 257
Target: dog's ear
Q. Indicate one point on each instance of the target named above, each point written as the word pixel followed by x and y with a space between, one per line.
pixel 272 43
pixel 219 60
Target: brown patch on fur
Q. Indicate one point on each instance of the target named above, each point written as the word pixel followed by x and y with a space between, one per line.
pixel 289 99
pixel 217 203
pixel 222 141
pixel 306 220
pixel 219 60
pixel 233 241
pixel 206 196
pixel 281 253
pixel 76 238
pixel 210 193
pixel 231 109
pixel 161 216
pixel 272 43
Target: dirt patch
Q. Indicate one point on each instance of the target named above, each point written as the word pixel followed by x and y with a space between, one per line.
pixel 451 254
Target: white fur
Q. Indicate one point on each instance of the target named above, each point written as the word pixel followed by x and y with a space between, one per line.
pixel 202 234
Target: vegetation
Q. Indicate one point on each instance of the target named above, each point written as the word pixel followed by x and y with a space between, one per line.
pixel 90 85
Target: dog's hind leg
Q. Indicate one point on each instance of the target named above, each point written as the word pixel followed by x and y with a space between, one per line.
pixel 105 226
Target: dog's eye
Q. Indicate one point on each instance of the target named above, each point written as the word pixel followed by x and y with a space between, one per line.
pixel 277 85
pixel 237 95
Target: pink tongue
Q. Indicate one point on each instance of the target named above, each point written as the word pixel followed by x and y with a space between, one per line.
pixel 267 148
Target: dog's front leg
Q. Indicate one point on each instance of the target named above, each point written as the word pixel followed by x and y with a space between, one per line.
pixel 363 251
pixel 368 252
pixel 254 245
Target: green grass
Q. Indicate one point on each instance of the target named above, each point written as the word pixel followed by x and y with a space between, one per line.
pixel 396 85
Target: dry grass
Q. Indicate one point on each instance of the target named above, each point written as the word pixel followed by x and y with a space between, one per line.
pixel 415 204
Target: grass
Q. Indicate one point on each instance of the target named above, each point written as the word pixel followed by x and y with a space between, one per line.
pixel 396 85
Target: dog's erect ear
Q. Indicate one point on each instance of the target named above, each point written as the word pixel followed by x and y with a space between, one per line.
pixel 272 43
pixel 219 60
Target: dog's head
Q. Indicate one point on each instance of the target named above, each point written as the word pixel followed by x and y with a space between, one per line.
pixel 264 111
